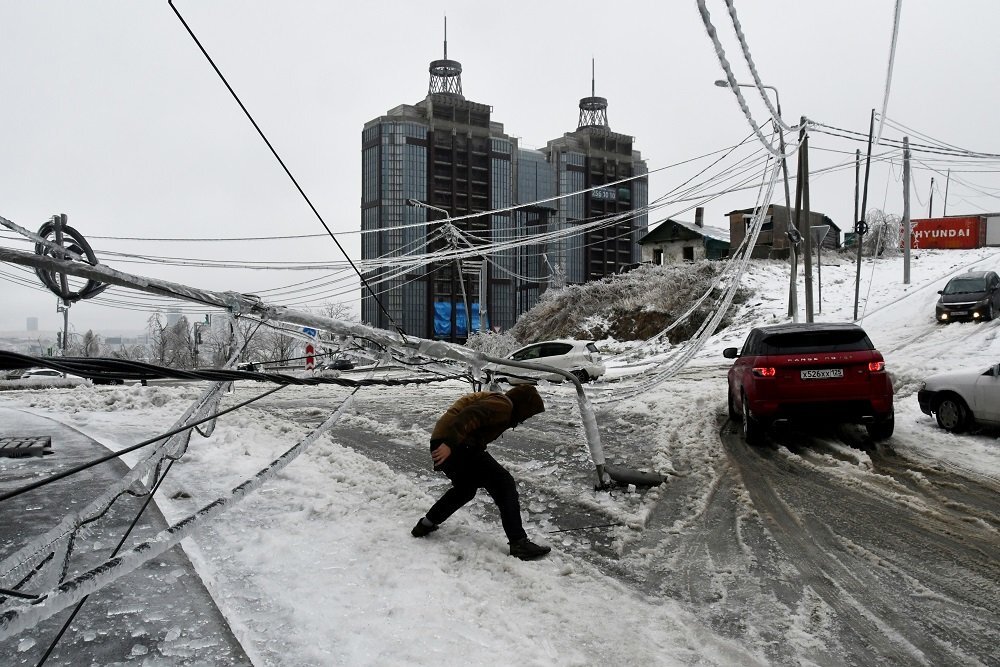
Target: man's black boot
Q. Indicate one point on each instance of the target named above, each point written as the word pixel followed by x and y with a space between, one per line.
pixel 525 549
pixel 423 527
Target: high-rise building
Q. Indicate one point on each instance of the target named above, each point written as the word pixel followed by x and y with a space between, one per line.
pixel 595 158
pixel 445 158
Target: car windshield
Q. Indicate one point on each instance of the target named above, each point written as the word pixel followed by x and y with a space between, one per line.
pixel 850 340
pixel 965 285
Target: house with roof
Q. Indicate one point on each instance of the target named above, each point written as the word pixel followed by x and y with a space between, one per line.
pixel 773 241
pixel 673 241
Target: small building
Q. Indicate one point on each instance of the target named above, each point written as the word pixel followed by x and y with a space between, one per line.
pixel 673 241
pixel 956 231
pixel 773 242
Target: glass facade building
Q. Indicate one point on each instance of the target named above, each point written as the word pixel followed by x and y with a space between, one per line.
pixel 602 162
pixel 447 153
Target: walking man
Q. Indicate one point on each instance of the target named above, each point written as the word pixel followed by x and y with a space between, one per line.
pixel 458 449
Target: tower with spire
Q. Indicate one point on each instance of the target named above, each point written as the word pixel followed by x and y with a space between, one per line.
pixel 593 109
pixel 447 153
pixel 602 163
pixel 446 75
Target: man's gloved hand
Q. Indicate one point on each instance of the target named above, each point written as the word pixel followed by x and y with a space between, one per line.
pixel 440 454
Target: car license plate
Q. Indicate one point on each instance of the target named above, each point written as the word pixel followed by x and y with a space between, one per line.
pixel 822 373
pixel 959 312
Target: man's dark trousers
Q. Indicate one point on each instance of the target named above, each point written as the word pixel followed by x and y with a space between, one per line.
pixel 470 470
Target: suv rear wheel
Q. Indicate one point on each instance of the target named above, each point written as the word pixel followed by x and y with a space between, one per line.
pixel 753 430
pixel 582 375
pixel 882 430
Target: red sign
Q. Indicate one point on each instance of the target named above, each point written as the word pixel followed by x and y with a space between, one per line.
pixel 310 361
pixel 964 233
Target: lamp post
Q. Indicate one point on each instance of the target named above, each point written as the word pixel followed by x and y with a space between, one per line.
pixel 454 244
pixel 794 236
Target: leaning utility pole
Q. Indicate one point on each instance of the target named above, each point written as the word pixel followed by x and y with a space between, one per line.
pixel 861 226
pixel 930 204
pixel 807 265
pixel 906 211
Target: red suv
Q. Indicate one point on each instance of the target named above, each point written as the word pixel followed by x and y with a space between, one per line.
pixel 809 372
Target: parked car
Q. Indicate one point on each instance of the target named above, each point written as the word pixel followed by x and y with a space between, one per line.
pixel 339 364
pixel 579 357
pixel 807 373
pixel 971 296
pixel 47 373
pixel 961 398
pixel 40 373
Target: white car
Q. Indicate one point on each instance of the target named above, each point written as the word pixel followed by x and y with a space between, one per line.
pixel 961 398
pixel 41 373
pixel 579 357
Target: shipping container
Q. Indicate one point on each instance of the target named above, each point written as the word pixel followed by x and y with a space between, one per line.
pixel 993 230
pixel 955 232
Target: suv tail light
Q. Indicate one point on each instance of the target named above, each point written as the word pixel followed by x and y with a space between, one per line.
pixel 764 372
pixel 876 366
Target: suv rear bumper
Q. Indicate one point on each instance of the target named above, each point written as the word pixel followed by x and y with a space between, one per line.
pixel 854 411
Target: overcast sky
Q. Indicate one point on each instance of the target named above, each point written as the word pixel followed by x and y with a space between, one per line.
pixel 111 115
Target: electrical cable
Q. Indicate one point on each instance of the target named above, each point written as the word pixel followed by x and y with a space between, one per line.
pixel 733 85
pixel 125 369
pixel 281 162
pixel 775 116
pixel 888 75
pixel 121 543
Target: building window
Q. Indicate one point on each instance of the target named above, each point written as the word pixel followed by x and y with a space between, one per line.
pixel 658 256
pixel 688 253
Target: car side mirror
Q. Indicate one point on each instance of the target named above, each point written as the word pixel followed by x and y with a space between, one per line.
pixel 731 353
pixel 940 291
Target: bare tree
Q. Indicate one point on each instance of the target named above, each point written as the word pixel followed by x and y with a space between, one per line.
pixel 338 310
pixel 885 233
pixel 279 345
pixel 180 345
pixel 221 344
pixel 91 345
pixel 158 339
pixel 128 352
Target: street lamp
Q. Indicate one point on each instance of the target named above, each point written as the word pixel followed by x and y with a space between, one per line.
pixel 794 236
pixel 461 274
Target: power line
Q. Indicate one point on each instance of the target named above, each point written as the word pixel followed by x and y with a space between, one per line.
pixel 282 163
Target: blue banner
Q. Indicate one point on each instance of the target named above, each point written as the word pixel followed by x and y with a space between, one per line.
pixel 442 319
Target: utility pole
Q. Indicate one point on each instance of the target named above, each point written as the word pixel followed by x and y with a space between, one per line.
pixel 906 211
pixel 944 213
pixel 793 239
pixel 861 226
pixel 483 289
pixel 930 204
pixel 807 267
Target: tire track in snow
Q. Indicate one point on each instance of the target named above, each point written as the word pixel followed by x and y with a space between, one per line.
pixel 906 566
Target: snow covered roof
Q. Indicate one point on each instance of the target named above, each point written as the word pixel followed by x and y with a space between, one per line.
pixel 659 232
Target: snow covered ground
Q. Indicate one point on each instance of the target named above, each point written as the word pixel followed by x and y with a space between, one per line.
pixel 318 567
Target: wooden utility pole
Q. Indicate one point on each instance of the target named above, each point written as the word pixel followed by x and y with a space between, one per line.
pixel 944 211
pixel 807 267
pixel 861 226
pixel 799 180
pixel 906 211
